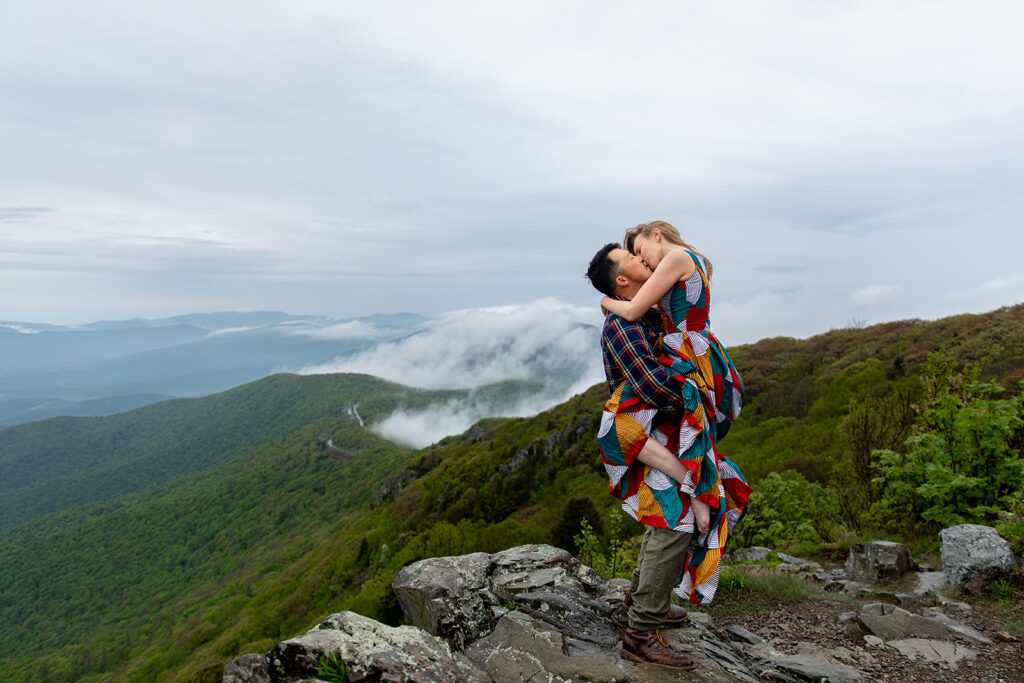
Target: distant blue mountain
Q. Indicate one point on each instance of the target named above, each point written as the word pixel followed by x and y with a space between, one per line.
pixel 46 370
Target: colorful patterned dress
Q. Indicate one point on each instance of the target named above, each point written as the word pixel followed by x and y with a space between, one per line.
pixel 712 394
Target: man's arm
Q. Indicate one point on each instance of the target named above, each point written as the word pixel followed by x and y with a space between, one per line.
pixel 627 344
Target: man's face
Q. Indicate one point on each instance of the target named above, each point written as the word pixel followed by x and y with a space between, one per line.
pixel 632 267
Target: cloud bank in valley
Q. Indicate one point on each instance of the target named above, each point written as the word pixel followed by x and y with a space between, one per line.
pixel 546 342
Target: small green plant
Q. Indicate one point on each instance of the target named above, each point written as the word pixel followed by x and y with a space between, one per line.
pixel 1001 589
pixel 732 581
pixel 332 669
pixel 611 560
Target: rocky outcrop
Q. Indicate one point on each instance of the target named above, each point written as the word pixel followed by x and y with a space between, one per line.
pixel 370 651
pixel 535 613
pixel 878 560
pixel 974 555
pixel 392 488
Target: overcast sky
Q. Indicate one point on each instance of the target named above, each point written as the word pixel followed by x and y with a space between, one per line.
pixel 837 161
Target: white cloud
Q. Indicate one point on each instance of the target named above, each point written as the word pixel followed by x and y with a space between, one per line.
pixel 544 341
pixel 21 329
pixel 390 156
pixel 230 330
pixel 422 428
pixel 353 329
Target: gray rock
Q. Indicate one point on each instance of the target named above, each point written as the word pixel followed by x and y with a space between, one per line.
pixel 740 633
pixel 371 651
pixel 809 663
pixel 455 598
pixel 754 554
pixel 941 652
pixel 247 669
pixel 448 597
pixel 893 623
pixel 702 618
pixel 847 618
pixel 956 629
pixel 973 555
pixel 878 560
pixel 923 585
pixel 792 559
pixel 873 641
pixel 520 648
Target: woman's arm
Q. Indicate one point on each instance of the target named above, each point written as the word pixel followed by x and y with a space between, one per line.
pixel 677 265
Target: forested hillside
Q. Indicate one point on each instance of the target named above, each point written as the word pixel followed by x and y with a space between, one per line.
pixel 65 461
pixel 834 431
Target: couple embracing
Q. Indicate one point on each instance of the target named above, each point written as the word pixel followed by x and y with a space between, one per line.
pixel 674 394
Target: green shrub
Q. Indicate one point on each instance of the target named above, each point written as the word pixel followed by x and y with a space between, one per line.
pixel 786 510
pixel 964 466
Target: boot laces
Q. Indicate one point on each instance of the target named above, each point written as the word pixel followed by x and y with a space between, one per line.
pixel 660 639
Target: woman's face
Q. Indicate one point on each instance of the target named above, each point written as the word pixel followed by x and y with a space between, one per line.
pixel 646 248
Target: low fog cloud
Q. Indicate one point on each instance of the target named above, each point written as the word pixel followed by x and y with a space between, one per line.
pixel 424 427
pixel 353 329
pixel 546 342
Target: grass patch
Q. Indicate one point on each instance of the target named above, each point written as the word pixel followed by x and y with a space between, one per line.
pixel 1015 627
pixel 743 592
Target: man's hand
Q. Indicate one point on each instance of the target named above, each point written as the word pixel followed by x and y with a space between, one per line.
pixel 701 514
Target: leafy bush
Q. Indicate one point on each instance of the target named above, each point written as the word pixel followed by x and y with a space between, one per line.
pixel 787 510
pixel 963 466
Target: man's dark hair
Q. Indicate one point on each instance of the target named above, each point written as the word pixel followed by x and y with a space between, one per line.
pixel 604 269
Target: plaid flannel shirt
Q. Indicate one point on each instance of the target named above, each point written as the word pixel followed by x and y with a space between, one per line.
pixel 628 354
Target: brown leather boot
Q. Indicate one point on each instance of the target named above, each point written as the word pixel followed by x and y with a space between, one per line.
pixel 675 616
pixel 649 647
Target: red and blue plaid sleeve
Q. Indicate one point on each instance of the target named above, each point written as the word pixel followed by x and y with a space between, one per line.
pixel 628 357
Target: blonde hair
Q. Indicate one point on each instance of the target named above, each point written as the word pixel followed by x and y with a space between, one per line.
pixel 668 232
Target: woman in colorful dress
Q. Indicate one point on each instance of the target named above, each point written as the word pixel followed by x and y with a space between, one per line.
pixel 712 394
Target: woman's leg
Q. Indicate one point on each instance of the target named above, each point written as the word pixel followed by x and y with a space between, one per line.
pixel 661 458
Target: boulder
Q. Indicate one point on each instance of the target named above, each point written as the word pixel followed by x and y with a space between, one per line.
pixel 448 597
pixel 247 669
pixel 878 560
pixel 370 651
pixel 973 555
pixel 754 554
pixel 457 598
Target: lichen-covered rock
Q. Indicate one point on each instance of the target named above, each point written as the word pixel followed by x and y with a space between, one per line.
pixel 448 597
pixel 457 598
pixel 371 651
pixel 973 555
pixel 878 560
pixel 247 669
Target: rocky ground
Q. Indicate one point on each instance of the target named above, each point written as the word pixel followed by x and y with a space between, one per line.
pixel 819 622
pixel 534 613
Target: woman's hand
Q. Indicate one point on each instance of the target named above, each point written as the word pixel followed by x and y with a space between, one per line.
pixel 604 309
pixel 701 514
